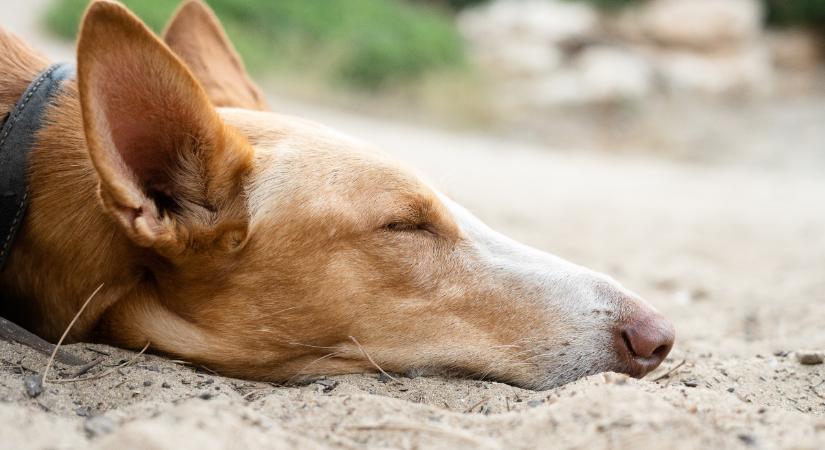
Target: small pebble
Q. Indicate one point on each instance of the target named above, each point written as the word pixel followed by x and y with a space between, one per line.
pixel 690 383
pixel 747 439
pixel 165 385
pixel 326 385
pixel 383 378
pixel 98 426
pixel 147 383
pixel 205 396
pixel 809 357
pixel 83 411
pixel 33 385
pixel 413 373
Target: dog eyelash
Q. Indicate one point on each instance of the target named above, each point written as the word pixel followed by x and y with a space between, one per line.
pixel 407 226
pixel 401 226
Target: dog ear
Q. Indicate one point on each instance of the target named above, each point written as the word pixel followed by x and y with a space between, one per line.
pixel 170 170
pixel 195 34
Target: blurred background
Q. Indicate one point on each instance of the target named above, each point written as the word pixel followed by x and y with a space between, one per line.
pixel 734 81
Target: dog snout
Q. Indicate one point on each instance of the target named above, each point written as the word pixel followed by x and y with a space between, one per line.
pixel 643 340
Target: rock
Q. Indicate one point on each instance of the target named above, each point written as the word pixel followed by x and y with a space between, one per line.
pixel 748 70
pixel 512 38
pixel 747 439
pixel 509 58
pixel 611 74
pixel 325 385
pixel 795 50
pixel 33 385
pixel 701 24
pixel 540 21
pixel 810 357
pixel 545 54
pixel 382 377
pixel 624 26
pixel 98 426
pixel 598 75
pixel 564 87
pixel 619 379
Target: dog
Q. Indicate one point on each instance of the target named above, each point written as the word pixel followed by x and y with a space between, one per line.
pixel 269 247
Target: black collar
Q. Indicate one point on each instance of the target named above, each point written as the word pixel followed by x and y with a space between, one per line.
pixel 17 138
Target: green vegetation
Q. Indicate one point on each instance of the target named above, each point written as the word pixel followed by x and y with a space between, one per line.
pixel 366 44
pixel 796 12
pixel 610 4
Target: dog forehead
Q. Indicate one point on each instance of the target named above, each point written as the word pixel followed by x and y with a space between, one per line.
pixel 297 160
pixel 265 129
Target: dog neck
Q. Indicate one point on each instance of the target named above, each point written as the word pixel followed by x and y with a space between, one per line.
pixel 67 246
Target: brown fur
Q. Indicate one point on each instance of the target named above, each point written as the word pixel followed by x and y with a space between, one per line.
pixel 197 37
pixel 19 64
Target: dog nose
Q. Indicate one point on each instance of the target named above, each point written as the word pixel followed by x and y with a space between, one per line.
pixel 645 340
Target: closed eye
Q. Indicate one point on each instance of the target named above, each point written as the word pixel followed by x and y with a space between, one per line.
pixel 409 227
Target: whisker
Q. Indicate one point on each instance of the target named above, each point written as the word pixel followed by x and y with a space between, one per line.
pixel 312 346
pixel 315 361
pixel 506 346
pixel 285 310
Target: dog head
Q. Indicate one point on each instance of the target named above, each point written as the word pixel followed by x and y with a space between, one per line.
pixel 271 247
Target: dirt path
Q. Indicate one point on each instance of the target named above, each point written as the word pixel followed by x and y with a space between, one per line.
pixel 736 257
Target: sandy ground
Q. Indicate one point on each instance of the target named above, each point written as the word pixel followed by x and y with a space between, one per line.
pixel 734 256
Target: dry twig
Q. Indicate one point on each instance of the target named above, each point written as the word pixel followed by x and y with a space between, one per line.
pixel 66 333
pixel 670 372
pixel 813 389
pixel 105 373
pixel 88 366
pixel 367 355
pixel 477 404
